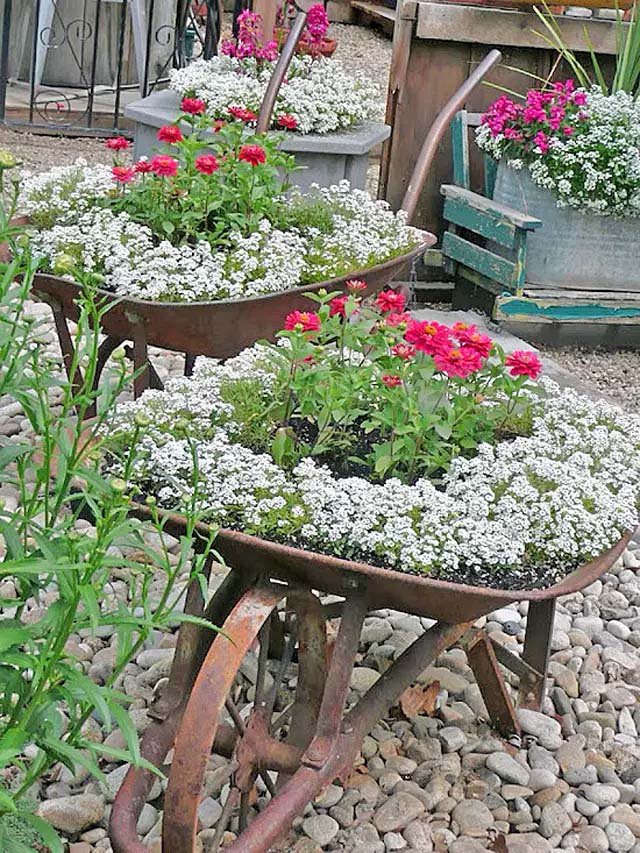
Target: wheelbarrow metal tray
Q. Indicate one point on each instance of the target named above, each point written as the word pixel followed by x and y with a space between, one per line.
pixel 387 588
pixel 219 329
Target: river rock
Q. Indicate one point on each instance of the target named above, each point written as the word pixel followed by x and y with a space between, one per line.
pixel 72 814
pixel 397 812
pixel 473 817
pixel 507 768
pixel 546 729
pixel 321 828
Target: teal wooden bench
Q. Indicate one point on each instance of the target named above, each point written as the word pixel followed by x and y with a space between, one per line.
pixel 484 250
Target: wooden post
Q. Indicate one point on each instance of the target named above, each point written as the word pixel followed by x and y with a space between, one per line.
pixel 268 9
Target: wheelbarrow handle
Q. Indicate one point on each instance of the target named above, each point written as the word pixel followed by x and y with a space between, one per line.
pixel 438 129
pixel 279 72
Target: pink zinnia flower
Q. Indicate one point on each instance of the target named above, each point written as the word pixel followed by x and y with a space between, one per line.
pixel 164 166
pixel 253 154
pixel 523 363
pixel 428 337
pixel 302 321
pixel 117 143
pixel 389 300
pixel 338 306
pixel 170 133
pixel 403 351
pixel 391 380
pixel 193 106
pixel 218 125
pixel 143 167
pixel 242 114
pixel 460 361
pixel 396 320
pixel 207 164
pixel 355 285
pixel 472 338
pixel 123 174
pixel 288 121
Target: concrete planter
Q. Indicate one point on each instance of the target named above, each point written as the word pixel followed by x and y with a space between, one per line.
pixel 325 158
pixel 572 249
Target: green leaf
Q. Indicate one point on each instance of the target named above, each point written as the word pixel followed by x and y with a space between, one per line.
pixel 12 743
pixel 7 803
pixel 12 636
pixel 443 430
pixel 90 601
pixel 70 756
pixel 128 731
pixel 121 755
pixel 45 830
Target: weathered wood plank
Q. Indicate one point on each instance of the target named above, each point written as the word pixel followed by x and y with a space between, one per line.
pixel 504 27
pixel 528 310
pixel 480 222
pixel 559 292
pixel 499 212
pixel 481 260
pixel 460 150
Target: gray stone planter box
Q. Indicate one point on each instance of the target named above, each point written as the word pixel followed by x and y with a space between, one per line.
pixel 572 249
pixel 326 158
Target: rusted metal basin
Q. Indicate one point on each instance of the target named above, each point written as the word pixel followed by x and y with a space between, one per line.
pixel 218 329
pixel 423 596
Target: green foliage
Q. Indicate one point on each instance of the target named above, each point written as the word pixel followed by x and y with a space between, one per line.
pixel 46 698
pixel 250 411
pixel 626 76
pixel 194 205
pixel 355 393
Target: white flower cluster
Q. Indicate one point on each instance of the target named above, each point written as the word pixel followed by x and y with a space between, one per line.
pixel 318 93
pixel 595 170
pixel 60 194
pixel 565 493
pixel 269 260
pixel 364 231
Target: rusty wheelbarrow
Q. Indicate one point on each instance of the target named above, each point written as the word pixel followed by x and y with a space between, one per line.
pixel 283 750
pixel 223 328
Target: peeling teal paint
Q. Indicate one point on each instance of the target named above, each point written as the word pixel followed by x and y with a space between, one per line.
pixel 510 307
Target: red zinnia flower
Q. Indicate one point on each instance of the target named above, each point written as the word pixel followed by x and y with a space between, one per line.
pixel 207 164
pixel 218 125
pixel 242 113
pixel 164 166
pixel 460 361
pixel 143 167
pixel 288 121
pixel 472 338
pixel 302 321
pixel 391 380
pixel 524 363
pixel 338 306
pixel 193 106
pixel 253 154
pixel 117 143
pixel 123 174
pixel 395 320
pixel 389 300
pixel 355 285
pixel 427 336
pixel 170 133
pixel 403 351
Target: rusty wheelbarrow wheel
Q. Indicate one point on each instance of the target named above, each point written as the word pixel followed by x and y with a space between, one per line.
pixel 243 708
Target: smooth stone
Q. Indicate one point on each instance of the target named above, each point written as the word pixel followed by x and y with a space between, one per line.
pixel 546 729
pixel 570 756
pixel 593 839
pixel 554 820
pixel 397 812
pixel 540 778
pixel 527 842
pixel 363 677
pixel 507 768
pixel 473 817
pixel 320 828
pixel 72 814
pixel 620 837
pixel 602 795
pixel 208 812
pixel 452 738
pixel 394 841
pixel 331 795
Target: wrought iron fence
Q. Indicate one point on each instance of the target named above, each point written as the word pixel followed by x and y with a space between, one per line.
pixel 70 66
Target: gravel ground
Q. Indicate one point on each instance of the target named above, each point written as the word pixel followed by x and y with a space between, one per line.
pixel 615 373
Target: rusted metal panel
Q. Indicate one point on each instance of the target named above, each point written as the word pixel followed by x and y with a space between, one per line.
pixel 484 663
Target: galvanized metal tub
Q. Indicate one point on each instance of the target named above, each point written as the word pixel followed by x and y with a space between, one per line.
pixel 572 249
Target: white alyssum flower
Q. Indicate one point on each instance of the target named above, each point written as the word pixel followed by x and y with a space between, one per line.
pixel 318 93
pixel 565 493
pixel 59 195
pixel 134 263
pixel 597 169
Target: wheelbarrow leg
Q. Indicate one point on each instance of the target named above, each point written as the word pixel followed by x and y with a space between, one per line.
pixel 484 663
pixel 537 644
